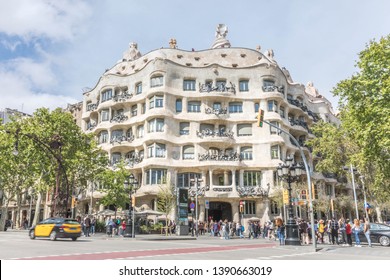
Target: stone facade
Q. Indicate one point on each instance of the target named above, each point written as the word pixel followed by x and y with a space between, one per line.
pixel 174 115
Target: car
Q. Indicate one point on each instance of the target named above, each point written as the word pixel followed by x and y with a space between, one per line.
pixel 56 228
pixel 379 233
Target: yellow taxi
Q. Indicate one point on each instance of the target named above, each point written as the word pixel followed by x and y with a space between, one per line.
pixel 56 228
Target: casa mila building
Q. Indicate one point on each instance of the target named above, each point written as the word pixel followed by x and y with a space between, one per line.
pixel 188 119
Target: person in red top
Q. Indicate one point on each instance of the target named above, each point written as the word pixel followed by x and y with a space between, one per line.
pixel 348 232
pixel 123 227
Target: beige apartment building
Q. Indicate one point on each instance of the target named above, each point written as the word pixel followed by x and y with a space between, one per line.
pixel 175 115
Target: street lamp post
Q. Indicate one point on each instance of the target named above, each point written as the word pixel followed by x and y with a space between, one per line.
pixel 353 170
pixel 132 185
pixel 365 198
pixel 290 173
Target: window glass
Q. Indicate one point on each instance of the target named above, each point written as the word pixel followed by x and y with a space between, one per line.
pixel 184 128
pixel 194 106
pixel 134 110
pixel 252 178
pixel 138 88
pixel 275 152
pixel 217 105
pixel 244 85
pixel 246 153
pixel 274 130
pixel 188 152
pixel 189 85
pixel 106 95
pixel 140 131
pixel 179 105
pixel 272 106
pixel 105 115
pixel 184 179
pixel 156 81
pixel 103 137
pixel 244 129
pixel 250 207
pixel 235 107
pixel 155 176
pixel 257 107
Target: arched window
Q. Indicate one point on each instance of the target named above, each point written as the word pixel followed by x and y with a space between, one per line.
pixel 246 153
pixel 157 81
pixel 188 152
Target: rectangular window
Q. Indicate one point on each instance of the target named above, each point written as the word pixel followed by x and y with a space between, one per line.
pixel 244 85
pixel 275 152
pixel 156 125
pixel 156 176
pixel 272 106
pixel 156 81
pixel 156 150
pixel 244 129
pixel 189 85
pixel 140 131
pixel 252 178
pixel 268 85
pixel 194 106
pixel 179 105
pixel 134 110
pixel 250 207
pixel 257 107
pixel 246 153
pixel 282 112
pixel 106 95
pixel 274 130
pixel 103 137
pixel 184 128
pixel 156 101
pixel 235 107
pixel 138 88
pixel 185 180
pixel 105 115
pixel 217 105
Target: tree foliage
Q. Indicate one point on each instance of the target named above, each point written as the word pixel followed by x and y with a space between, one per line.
pixel 166 201
pixel 362 139
pixel 52 152
pixel 365 115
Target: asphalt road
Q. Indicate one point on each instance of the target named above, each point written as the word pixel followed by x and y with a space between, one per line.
pixel 15 244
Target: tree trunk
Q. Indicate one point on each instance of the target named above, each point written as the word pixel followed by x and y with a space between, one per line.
pixel 37 209
pixel 379 214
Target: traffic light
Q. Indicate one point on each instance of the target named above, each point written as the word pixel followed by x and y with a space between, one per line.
pixel 313 191
pixel 260 118
pixel 73 201
pixel 132 201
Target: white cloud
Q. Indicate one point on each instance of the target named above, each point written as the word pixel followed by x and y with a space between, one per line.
pixel 57 20
pixel 16 93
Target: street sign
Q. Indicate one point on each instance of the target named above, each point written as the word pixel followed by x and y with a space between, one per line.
pixel 207 204
pixel 192 206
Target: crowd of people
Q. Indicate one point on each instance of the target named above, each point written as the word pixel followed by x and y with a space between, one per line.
pixel 330 231
pixel 335 231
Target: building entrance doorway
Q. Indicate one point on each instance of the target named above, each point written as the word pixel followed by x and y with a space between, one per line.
pixel 220 211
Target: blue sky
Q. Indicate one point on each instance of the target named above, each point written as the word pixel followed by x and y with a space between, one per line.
pixel 51 49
